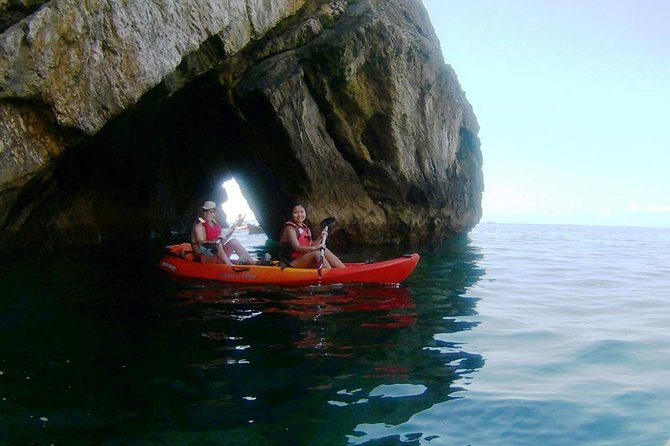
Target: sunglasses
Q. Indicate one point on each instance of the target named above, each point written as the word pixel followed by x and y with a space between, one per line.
pixel 210 211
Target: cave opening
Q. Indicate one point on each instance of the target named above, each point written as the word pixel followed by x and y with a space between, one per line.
pixel 236 207
pixel 145 174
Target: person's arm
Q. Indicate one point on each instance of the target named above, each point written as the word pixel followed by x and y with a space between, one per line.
pixel 319 241
pixel 200 234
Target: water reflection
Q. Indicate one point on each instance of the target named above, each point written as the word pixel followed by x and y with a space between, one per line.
pixel 128 355
pixel 286 360
pixel 316 321
pixel 444 368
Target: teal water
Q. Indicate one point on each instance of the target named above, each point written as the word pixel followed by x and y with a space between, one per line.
pixel 515 335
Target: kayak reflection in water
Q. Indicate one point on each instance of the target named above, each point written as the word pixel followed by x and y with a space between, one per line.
pixel 297 246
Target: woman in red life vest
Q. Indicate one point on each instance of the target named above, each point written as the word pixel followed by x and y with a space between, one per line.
pixel 296 244
pixel 209 243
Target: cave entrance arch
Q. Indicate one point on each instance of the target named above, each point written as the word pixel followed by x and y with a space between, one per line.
pixel 145 174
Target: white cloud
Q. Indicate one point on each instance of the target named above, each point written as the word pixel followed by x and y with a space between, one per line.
pixel 634 208
pixel 659 208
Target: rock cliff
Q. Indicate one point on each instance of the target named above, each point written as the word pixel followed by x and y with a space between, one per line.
pixel 119 117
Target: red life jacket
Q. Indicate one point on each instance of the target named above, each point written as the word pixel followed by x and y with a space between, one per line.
pixel 304 237
pixel 212 232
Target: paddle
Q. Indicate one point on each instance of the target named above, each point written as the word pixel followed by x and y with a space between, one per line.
pixel 229 233
pixel 325 223
pixel 330 221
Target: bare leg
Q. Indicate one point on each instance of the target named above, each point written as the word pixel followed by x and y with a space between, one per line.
pixel 221 254
pixel 310 260
pixel 234 245
pixel 333 259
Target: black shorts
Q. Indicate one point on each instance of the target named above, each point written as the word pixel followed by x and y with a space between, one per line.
pixel 208 249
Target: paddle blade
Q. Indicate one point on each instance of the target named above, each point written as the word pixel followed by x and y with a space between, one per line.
pixel 327 222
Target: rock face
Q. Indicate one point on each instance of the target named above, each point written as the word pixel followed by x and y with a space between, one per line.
pixel 118 117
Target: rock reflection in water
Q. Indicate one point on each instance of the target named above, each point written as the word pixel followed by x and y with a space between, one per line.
pixel 292 357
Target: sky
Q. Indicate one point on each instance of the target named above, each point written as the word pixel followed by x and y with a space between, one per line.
pixel 573 104
pixel 236 203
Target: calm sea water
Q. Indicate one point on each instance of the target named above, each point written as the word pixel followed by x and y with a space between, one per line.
pixel 515 335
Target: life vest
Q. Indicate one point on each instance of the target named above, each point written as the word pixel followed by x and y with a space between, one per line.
pixel 212 232
pixel 304 236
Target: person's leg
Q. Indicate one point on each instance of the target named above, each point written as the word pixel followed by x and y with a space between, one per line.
pixel 221 254
pixel 208 253
pixel 333 259
pixel 326 262
pixel 234 245
pixel 310 260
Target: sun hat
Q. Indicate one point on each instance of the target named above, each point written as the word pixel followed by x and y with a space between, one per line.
pixel 209 205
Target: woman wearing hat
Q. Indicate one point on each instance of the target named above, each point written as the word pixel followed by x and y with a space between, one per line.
pixel 209 243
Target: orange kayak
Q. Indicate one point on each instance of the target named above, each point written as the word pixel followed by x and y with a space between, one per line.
pixel 180 262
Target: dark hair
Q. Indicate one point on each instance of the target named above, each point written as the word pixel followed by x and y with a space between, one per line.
pixel 296 205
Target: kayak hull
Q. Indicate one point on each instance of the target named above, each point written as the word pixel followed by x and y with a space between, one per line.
pixel 391 271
